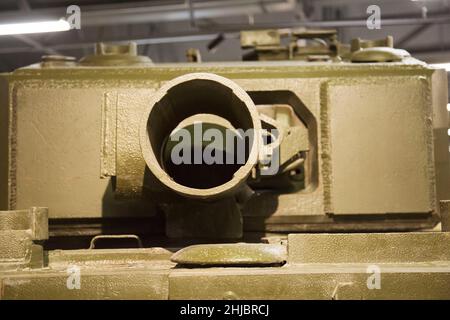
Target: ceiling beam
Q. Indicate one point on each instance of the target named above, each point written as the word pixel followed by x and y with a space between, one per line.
pixel 412 34
pixel 138 13
pixel 36 45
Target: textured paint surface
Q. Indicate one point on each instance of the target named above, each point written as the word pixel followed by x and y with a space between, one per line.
pixel 60 136
pixel 381 146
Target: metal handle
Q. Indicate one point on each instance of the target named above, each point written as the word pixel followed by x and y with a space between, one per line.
pixel 121 236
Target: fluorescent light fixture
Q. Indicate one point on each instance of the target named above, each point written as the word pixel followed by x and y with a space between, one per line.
pixel 445 66
pixel 448 106
pixel 34 27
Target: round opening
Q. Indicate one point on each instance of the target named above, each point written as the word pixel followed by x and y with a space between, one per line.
pixel 200 134
pixel 204 151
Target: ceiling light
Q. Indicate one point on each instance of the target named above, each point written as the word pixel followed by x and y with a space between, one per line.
pixel 34 27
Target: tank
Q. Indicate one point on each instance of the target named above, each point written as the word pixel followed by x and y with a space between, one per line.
pixel 310 170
